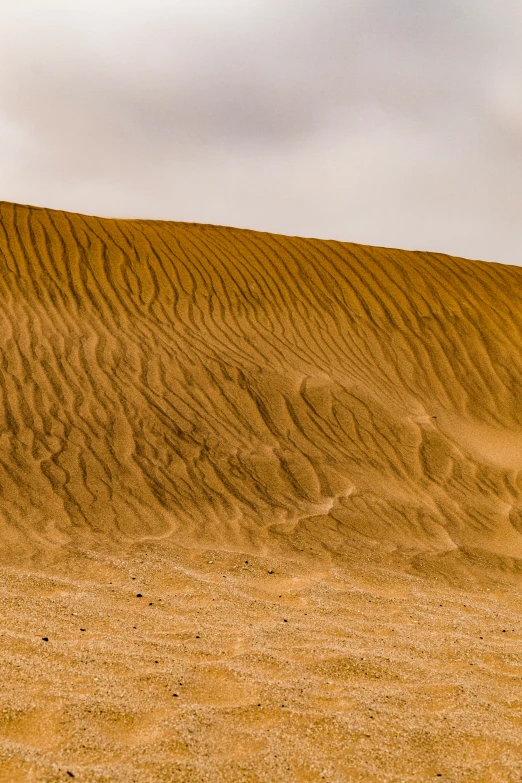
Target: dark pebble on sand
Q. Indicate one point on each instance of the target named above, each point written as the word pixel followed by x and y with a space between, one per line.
pixel 139 595
pixel 45 638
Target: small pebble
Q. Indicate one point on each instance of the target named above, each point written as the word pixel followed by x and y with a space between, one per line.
pixel 45 638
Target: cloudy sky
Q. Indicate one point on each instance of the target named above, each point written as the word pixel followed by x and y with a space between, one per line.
pixel 389 122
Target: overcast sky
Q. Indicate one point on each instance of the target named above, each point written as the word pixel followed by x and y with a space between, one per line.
pixel 388 122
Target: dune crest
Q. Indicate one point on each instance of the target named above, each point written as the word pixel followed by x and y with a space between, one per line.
pixel 201 384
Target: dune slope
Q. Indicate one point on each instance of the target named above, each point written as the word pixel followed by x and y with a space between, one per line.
pixel 200 384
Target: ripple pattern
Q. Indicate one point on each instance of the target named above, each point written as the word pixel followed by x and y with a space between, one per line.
pixel 200 384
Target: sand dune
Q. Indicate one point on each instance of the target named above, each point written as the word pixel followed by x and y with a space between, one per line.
pixel 230 387
pixel 334 429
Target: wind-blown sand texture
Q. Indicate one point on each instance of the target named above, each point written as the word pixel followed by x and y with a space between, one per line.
pixel 260 507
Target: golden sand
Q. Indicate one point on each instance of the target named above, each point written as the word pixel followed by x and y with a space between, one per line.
pixel 260 507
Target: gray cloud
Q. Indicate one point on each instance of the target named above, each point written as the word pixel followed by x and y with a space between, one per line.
pixel 390 122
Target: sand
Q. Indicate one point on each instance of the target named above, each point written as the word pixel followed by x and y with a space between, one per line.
pixel 260 507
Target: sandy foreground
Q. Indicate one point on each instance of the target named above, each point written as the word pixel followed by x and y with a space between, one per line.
pixel 222 670
pixel 260 507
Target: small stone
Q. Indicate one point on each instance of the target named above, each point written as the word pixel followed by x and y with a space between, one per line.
pixel 45 638
pixel 139 595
